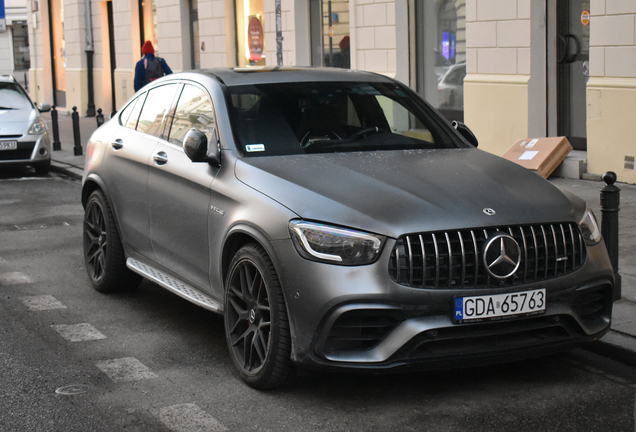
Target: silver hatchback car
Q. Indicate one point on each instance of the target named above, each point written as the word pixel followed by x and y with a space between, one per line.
pixel 24 138
pixel 338 222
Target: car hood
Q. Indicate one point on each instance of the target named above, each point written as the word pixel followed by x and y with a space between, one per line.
pixel 407 191
pixel 16 121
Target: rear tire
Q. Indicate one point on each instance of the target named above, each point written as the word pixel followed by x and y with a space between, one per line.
pixel 256 322
pixel 103 251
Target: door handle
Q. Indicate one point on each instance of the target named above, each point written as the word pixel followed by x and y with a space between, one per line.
pixel 566 56
pixel 161 158
pixel 117 144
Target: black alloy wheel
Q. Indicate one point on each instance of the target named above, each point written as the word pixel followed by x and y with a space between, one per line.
pixel 256 322
pixel 103 251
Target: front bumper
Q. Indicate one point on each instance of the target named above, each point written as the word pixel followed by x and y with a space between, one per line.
pixel 358 318
pixel 32 150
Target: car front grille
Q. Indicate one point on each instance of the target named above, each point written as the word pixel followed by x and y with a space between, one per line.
pixel 24 151
pixel 454 259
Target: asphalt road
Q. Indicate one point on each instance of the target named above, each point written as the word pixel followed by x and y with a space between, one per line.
pixel 72 359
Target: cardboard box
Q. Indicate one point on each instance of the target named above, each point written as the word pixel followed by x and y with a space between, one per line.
pixel 543 155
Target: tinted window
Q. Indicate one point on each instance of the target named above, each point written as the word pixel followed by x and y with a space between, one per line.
pixel 13 97
pixel 294 118
pixel 194 110
pixel 154 114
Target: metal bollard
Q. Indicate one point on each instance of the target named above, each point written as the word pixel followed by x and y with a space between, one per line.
pixel 56 129
pixel 99 117
pixel 77 149
pixel 610 201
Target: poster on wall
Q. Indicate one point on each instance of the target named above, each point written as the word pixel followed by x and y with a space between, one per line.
pixel 3 19
pixel 255 37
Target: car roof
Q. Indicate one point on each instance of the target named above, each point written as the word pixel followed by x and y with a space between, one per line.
pixel 7 78
pixel 274 75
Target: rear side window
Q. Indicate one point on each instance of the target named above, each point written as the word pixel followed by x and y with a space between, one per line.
pixel 155 112
pixel 130 114
pixel 194 110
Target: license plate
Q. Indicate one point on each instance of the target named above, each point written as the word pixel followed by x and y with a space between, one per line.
pixel 8 145
pixel 489 307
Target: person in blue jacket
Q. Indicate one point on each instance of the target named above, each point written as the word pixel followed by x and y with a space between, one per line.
pixel 150 67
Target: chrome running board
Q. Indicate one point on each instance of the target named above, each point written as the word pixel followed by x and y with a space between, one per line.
pixel 175 285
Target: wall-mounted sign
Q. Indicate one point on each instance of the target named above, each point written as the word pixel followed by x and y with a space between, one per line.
pixel 3 20
pixel 255 38
pixel 585 17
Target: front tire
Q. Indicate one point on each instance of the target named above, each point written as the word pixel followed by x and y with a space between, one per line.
pixel 256 322
pixel 103 251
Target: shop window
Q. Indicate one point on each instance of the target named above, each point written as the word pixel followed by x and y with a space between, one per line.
pixel 329 28
pixel 250 32
pixel 440 33
pixel 21 55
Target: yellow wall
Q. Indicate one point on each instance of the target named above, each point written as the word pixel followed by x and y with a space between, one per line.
pixel 610 137
pixel 124 85
pixel 77 90
pixel 36 86
pixel 496 109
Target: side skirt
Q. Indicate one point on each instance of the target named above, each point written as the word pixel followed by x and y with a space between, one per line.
pixel 175 285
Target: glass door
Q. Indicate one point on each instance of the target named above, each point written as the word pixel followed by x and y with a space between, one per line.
pixel 573 54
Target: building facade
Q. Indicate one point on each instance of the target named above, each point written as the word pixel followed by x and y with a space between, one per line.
pixel 15 57
pixel 508 68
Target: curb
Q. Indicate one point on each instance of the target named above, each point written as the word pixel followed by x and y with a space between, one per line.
pixel 70 171
pixel 616 346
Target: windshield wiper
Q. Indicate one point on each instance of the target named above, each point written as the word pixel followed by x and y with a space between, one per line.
pixel 6 108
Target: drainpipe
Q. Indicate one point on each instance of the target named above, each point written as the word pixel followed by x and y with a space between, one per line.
pixel 90 49
pixel 279 34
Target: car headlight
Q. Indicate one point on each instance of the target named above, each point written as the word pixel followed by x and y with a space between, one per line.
pixel 589 228
pixel 334 245
pixel 38 127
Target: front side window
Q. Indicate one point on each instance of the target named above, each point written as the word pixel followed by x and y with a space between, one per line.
pixel 194 110
pixel 154 114
pixel 297 118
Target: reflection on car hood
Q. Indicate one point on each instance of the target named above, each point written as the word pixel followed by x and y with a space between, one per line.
pixel 397 192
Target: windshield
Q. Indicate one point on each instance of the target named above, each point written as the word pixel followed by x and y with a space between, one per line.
pixel 13 97
pixel 297 118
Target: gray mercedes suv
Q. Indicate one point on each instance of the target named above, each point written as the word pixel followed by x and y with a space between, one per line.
pixel 338 222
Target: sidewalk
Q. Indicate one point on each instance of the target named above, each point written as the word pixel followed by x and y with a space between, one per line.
pixel 619 343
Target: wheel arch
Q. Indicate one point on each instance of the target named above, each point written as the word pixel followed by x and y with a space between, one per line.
pixel 237 237
pixel 93 183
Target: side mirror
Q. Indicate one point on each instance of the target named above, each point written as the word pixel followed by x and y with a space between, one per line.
pixel 195 146
pixel 44 107
pixel 465 132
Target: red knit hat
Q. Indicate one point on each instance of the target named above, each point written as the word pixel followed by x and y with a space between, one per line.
pixel 147 48
pixel 344 43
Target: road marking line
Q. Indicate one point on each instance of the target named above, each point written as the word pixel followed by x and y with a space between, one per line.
pixel 41 302
pixel 78 332
pixel 125 369
pixel 189 418
pixel 13 278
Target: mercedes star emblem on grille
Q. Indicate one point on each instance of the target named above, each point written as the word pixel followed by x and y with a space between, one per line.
pixel 502 256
